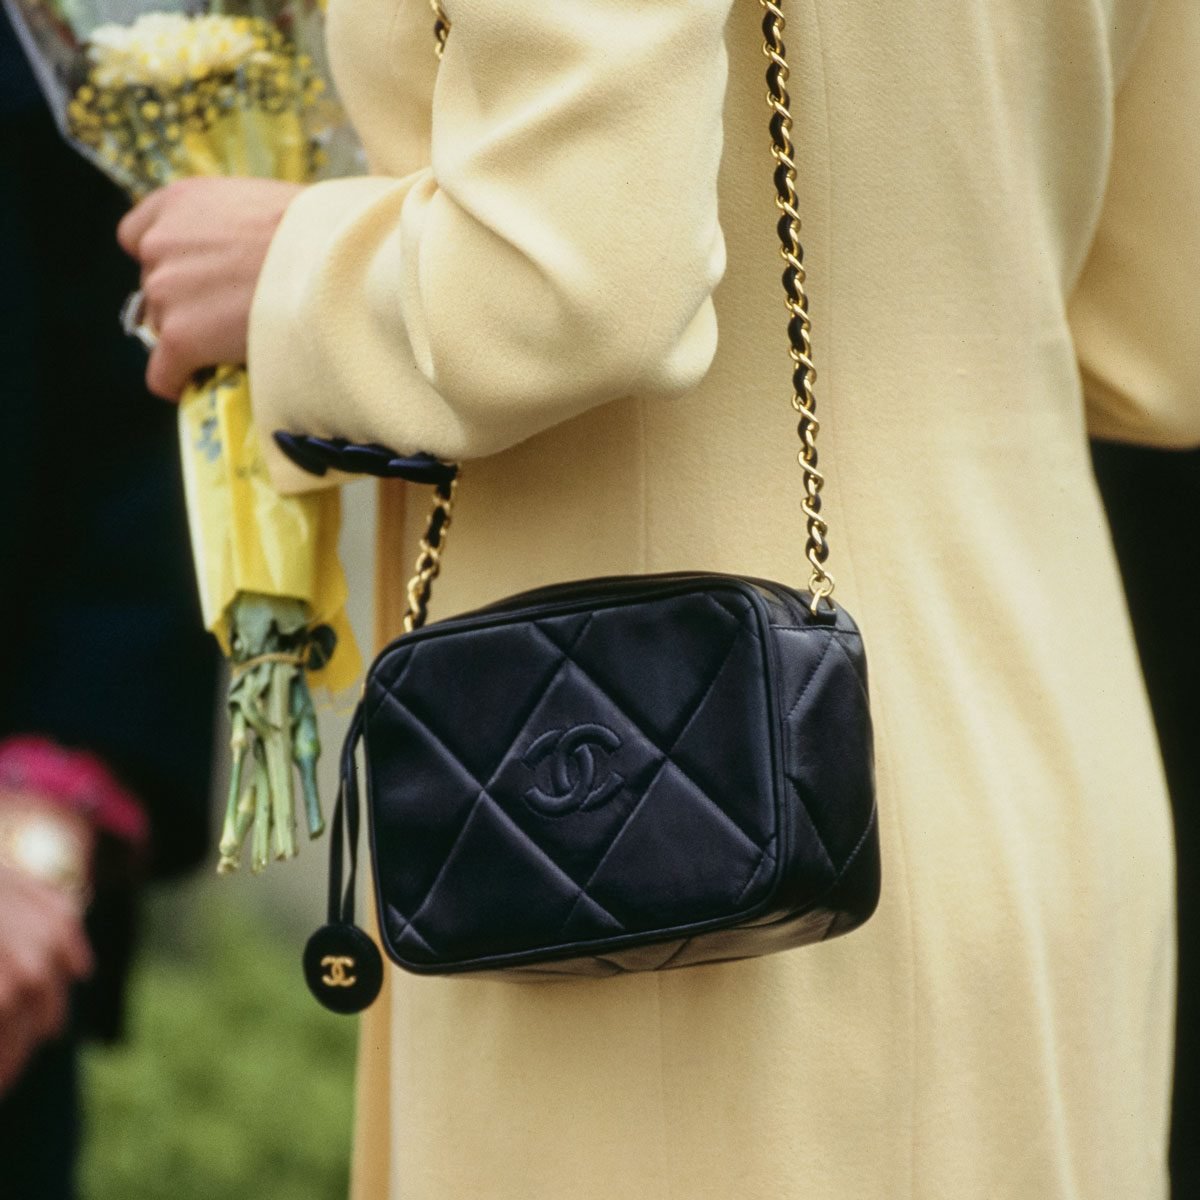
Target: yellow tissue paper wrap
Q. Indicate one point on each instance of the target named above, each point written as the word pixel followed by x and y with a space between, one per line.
pixel 248 538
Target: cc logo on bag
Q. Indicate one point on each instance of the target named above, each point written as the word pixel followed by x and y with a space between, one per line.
pixel 337 965
pixel 566 765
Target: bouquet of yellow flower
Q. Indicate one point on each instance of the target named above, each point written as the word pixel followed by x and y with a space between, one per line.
pixel 152 96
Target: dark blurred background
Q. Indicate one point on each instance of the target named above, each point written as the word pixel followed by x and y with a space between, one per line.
pixel 204 1067
pixel 1153 500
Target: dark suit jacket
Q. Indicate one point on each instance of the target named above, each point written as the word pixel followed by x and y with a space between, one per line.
pixel 101 644
pixel 1153 497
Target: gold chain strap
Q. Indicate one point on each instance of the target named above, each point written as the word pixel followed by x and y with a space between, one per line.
pixel 429 556
pixel 432 545
pixel 804 374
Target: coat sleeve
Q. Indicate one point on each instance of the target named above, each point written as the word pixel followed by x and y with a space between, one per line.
pixel 560 252
pixel 1136 311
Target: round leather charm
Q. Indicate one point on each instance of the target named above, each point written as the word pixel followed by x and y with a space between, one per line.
pixel 343 968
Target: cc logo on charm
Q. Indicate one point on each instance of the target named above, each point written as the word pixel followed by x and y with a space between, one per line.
pixel 336 967
pixel 343 967
pixel 567 769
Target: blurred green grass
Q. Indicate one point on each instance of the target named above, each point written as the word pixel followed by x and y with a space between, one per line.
pixel 232 1081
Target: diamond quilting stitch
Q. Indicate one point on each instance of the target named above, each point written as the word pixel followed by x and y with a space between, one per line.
pixel 575 835
pixel 387 822
pixel 816 792
pixel 393 817
pixel 477 722
pixel 654 866
pixel 600 686
pixel 489 849
pixel 726 717
pixel 576 767
pixel 690 647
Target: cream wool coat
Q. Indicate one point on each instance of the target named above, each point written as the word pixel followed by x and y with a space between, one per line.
pixel 564 281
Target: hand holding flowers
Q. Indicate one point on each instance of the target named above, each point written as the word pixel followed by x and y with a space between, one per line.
pixel 201 244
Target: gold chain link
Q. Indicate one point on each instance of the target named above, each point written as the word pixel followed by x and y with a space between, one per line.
pixel 429 557
pixel 804 374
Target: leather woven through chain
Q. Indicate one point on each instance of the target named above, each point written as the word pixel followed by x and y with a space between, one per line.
pixel 804 374
pixel 320 455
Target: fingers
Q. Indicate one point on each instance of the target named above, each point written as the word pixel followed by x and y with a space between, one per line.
pixel 167 373
pixel 150 233
pixel 165 376
pixel 174 360
pixel 137 222
pixel 152 229
pixel 53 954
pixel 201 244
pixel 45 922
pixel 34 1004
pixel 169 368
pixel 70 947
pixel 43 952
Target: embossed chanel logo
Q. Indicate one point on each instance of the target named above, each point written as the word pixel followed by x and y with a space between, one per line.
pixel 338 965
pixel 567 767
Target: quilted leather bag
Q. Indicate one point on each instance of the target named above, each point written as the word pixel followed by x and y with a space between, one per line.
pixel 620 774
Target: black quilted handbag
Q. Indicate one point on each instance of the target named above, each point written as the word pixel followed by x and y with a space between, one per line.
pixel 622 774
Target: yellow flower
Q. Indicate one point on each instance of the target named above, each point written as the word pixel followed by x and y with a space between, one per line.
pixel 168 49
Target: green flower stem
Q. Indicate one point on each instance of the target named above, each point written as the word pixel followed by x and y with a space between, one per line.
pixel 245 815
pixel 273 728
pixel 261 850
pixel 279 759
pixel 231 842
pixel 306 750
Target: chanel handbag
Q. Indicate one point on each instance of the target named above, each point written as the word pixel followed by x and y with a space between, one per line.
pixel 623 774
